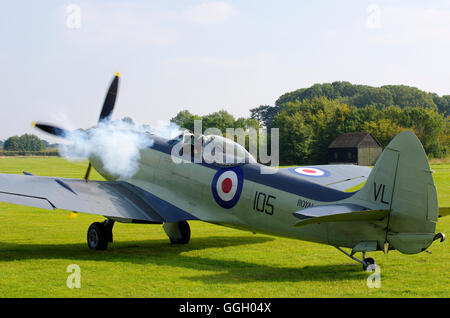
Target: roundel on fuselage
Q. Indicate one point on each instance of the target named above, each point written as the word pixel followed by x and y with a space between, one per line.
pixel 226 186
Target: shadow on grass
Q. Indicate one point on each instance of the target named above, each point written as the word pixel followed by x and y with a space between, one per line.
pixel 162 253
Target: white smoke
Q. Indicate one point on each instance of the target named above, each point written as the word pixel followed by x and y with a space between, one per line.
pixel 116 143
pixel 168 130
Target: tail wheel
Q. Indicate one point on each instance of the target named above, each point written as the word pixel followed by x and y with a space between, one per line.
pixel 98 236
pixel 367 262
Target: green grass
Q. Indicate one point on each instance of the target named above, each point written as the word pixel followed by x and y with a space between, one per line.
pixel 36 246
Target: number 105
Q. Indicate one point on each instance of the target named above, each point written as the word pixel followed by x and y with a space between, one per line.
pixel 261 203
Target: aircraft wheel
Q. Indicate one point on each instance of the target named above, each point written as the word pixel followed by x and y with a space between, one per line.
pixel 368 261
pixel 179 232
pixel 97 236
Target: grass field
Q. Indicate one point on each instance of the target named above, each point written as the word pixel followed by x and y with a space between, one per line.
pixel 36 246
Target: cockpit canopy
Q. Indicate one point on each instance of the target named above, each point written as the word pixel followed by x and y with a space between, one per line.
pixel 214 149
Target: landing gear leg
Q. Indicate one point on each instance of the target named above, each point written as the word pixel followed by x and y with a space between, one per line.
pixel 99 234
pixel 366 262
pixel 178 232
pixel 108 225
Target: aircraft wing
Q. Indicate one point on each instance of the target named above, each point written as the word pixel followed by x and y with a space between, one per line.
pixel 115 199
pixel 339 177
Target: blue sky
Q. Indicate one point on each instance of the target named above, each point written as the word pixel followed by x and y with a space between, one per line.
pixel 206 55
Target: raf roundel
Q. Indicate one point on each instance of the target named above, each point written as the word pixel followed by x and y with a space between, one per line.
pixel 226 186
pixel 311 172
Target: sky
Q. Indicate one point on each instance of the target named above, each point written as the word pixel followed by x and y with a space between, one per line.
pixel 57 58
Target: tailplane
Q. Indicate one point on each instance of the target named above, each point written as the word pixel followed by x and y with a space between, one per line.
pixel 337 213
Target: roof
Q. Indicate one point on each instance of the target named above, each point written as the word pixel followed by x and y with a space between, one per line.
pixel 355 140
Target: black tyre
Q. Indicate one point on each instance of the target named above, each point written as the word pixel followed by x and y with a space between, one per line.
pixel 97 237
pixel 185 234
pixel 368 261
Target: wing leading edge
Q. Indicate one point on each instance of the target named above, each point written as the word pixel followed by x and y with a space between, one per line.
pixel 114 199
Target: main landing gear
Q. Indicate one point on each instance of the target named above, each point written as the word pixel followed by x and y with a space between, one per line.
pixel 367 263
pixel 100 234
pixel 178 232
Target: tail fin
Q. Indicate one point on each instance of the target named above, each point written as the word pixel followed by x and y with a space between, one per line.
pixel 402 182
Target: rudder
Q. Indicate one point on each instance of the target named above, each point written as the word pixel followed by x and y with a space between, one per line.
pixel 402 182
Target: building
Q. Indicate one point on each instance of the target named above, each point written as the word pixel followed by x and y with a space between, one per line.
pixel 354 148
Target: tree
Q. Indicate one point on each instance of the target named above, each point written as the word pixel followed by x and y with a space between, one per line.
pixel 379 97
pixel 363 95
pixel 264 114
pixel 383 130
pixel 246 123
pixel 31 142
pixel 26 142
pixel 221 120
pixel 185 119
pixel 12 143
pixel 443 103
pixel 306 128
pixel 295 136
pixel 406 96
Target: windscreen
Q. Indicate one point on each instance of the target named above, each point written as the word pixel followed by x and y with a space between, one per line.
pixel 224 151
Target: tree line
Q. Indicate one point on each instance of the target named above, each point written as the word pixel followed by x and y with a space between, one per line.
pixel 308 127
pixel 309 119
pixel 221 120
pixel 26 142
pixel 363 95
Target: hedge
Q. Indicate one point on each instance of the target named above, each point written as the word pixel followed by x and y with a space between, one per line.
pixel 7 153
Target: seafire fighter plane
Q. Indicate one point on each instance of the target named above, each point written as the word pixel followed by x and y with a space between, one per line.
pixel 396 209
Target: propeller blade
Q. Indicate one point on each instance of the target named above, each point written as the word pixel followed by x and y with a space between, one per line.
pixel 88 171
pixel 108 106
pixel 107 109
pixel 110 98
pixel 50 129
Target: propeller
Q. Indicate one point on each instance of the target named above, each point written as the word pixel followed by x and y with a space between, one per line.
pixel 105 115
pixel 50 129
pixel 88 171
pixel 110 99
pixel 108 106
